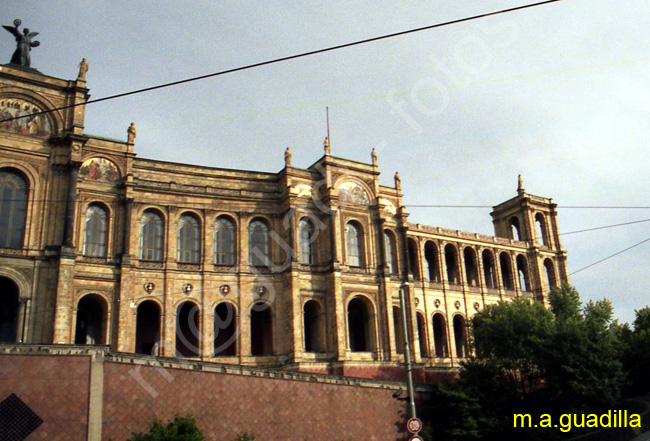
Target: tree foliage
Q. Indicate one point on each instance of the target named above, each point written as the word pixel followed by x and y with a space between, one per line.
pixel 530 359
pixel 182 428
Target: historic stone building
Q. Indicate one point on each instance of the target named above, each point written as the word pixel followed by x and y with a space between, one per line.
pixel 298 269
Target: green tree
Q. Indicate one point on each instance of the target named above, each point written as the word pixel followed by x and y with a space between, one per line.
pixel 182 428
pixel 530 359
pixel 636 358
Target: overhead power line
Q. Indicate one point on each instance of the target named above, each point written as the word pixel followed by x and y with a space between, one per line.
pixel 293 57
pixel 595 207
pixel 603 227
pixel 609 257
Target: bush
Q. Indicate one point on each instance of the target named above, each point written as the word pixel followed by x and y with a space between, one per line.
pixel 183 428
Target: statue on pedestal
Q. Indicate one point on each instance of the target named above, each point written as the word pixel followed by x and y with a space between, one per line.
pixel 24 43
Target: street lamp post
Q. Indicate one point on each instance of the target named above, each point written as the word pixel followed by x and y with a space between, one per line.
pixel 407 354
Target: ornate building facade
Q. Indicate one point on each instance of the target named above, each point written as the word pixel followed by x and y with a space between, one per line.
pixel 299 269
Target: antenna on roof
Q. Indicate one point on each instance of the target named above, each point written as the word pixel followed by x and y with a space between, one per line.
pixel 327 114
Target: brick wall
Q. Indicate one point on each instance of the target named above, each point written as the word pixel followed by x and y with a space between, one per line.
pixel 225 400
pixel 56 388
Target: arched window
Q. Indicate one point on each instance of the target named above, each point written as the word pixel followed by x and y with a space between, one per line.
pixel 261 329
pixel 431 256
pixel 414 261
pixel 189 239
pixel 147 328
pixel 91 321
pixel 398 330
pixel 506 271
pixel 188 330
pixel 151 236
pixel 354 244
pixel 13 207
pixel 306 239
pixel 451 260
pixel 225 330
pixel 460 336
pixel 515 232
pixel 440 335
pixel 522 272
pixel 96 231
pixel 258 243
pixel 488 269
pixel 391 252
pixel 422 336
pixel 313 327
pixel 549 267
pixel 541 229
pixel 224 242
pixel 470 266
pixel 360 329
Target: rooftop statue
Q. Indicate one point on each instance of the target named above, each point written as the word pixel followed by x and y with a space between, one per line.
pixel 24 44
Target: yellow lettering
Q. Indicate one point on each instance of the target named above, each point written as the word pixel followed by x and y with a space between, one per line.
pixel 582 420
pixel 635 420
pixel 606 417
pixel 592 420
pixel 524 418
pixel 565 422
pixel 545 420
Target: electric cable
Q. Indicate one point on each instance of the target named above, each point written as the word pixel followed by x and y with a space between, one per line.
pixel 609 257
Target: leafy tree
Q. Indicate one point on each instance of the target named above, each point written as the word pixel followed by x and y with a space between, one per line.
pixel 530 359
pixel 182 428
pixel 636 358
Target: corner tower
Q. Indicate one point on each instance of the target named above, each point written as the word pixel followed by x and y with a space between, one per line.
pixel 533 220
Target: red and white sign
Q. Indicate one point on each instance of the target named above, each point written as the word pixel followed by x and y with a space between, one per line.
pixel 416 438
pixel 414 425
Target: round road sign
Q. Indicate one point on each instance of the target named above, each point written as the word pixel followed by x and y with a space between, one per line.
pixel 414 425
pixel 416 438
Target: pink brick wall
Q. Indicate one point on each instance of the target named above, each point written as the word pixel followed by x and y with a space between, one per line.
pixel 226 404
pixel 55 387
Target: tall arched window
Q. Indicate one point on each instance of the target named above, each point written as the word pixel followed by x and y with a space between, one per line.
pixel 151 236
pixel 460 336
pixel 354 244
pixel 189 239
pixel 488 269
pixel 224 242
pixel 414 261
pixel 306 240
pixel 451 260
pixel 258 243
pixel 551 280
pixel 515 232
pixel 522 272
pixel 431 256
pixel 13 206
pixel 506 271
pixel 542 237
pixel 96 229
pixel 391 252
pixel 471 271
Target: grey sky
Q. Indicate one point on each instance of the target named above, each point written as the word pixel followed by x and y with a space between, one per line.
pixel 558 93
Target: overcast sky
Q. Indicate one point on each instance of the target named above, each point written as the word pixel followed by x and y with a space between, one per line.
pixel 559 93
